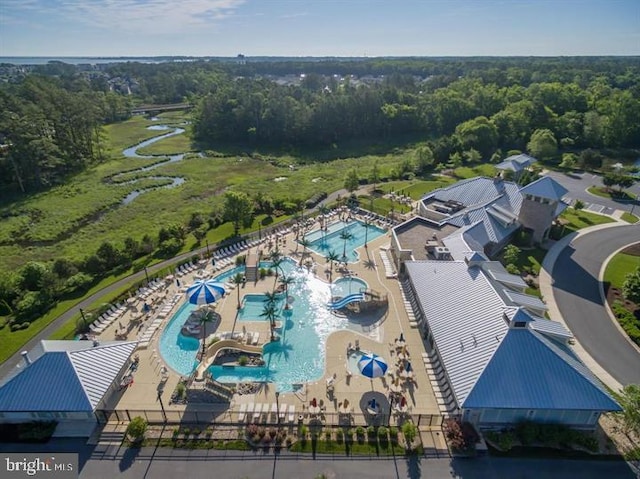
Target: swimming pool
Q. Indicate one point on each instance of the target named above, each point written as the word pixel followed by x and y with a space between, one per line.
pixel 178 351
pixel 345 286
pixel 298 357
pixel 323 242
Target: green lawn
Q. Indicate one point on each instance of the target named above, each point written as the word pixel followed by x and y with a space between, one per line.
pixel 629 218
pixel 619 266
pixel 485 169
pixel 578 220
pixel 610 194
pixel 352 448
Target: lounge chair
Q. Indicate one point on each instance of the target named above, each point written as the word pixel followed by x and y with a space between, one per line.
pixel 242 412
pixel 256 338
pixel 274 410
pixel 292 413
pixel 282 412
pixel 250 407
pixel 257 412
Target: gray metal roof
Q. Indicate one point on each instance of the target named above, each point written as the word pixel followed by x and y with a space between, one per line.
pixel 474 191
pixel 464 313
pixel 550 328
pixel 497 271
pixel 516 162
pixel 545 187
pixel 526 300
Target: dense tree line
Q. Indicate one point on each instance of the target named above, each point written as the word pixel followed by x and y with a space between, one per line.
pixel 467 109
pixel 467 114
pixel 51 128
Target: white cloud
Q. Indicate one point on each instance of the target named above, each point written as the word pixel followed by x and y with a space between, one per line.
pixel 143 16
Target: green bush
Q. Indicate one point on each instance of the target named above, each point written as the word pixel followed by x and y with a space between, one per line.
pixel 410 431
pixel 505 440
pixel 527 432
pixel 627 320
pixel 243 360
pixel 136 428
pixel 339 436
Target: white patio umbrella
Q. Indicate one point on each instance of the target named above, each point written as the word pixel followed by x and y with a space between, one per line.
pixel 205 292
pixel 372 366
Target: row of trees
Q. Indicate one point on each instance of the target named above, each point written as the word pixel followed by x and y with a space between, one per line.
pixel 466 115
pixel 49 132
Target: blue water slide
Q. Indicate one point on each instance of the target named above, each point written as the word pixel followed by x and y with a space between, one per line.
pixel 341 303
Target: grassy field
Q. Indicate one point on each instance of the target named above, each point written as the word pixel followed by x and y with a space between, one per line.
pixel 416 189
pixel 629 218
pixel 464 172
pixel 581 219
pixel 619 266
pixel 74 219
pixel 610 194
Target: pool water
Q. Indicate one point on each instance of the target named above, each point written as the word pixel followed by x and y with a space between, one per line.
pixel 345 286
pixel 179 351
pixel 298 357
pixel 323 242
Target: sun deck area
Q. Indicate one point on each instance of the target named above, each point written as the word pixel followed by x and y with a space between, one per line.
pixel 343 394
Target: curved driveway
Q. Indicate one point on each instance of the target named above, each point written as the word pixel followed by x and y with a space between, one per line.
pixel 576 290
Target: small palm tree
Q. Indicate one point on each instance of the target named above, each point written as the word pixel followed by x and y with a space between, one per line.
pixel 305 244
pixel 331 257
pixel 271 298
pixel 207 317
pixel 276 260
pixel 345 236
pixel 285 281
pixel 270 311
pixel 238 279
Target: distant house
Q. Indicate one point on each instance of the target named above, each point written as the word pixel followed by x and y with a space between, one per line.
pixel 517 164
pixel 496 359
pixel 65 381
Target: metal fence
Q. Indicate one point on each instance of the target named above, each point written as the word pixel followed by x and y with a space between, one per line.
pixel 224 417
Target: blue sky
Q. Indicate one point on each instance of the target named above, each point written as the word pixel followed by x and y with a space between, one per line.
pixel 319 27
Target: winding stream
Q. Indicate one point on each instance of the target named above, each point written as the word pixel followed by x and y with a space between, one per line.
pixel 131 152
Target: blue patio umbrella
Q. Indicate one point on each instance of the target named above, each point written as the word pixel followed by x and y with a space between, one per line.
pixel 372 366
pixel 205 292
pixel 409 368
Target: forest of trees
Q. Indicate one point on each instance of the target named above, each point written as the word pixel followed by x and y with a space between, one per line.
pixel 467 110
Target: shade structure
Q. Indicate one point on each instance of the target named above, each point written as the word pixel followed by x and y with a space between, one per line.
pixel 205 292
pixel 372 366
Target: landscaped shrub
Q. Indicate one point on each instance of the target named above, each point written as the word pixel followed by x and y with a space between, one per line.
pixel 360 434
pixel 505 440
pixel 409 431
pixel 527 432
pixel 371 433
pixel 339 436
pixel 137 428
pixel 453 434
pixel 327 435
pixel 243 360
pixel 393 433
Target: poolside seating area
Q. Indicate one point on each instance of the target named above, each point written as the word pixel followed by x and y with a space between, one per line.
pixel 153 287
pixel 266 412
pixel 146 336
pixel 108 318
pixel 389 269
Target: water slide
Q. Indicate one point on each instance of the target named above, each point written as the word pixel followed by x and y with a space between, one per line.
pixel 341 303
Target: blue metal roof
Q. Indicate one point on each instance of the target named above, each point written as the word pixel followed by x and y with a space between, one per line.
pixel 545 187
pixel 49 384
pixel 528 371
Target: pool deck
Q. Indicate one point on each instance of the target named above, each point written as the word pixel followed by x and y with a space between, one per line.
pixel 379 339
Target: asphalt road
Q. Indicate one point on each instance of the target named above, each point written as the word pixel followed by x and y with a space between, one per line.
pixel 113 461
pixel 576 290
pixel 577 184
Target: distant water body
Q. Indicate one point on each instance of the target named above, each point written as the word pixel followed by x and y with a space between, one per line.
pixel 86 60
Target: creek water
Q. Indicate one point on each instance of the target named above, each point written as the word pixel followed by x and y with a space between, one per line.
pixel 132 152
